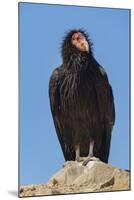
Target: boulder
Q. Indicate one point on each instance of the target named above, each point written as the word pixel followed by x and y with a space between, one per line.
pixel 96 176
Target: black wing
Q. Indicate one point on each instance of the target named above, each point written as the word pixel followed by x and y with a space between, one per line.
pixel 55 104
pixel 107 114
pixel 109 122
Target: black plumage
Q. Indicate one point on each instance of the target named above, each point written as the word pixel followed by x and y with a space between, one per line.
pixel 82 102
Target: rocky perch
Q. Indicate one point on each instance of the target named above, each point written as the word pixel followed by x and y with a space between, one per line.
pixel 96 176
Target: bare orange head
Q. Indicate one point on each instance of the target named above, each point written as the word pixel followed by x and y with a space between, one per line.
pixel 80 42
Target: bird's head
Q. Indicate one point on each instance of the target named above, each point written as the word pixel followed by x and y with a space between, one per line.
pixel 76 42
pixel 79 41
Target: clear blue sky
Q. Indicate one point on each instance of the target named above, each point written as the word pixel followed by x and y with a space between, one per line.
pixel 42 28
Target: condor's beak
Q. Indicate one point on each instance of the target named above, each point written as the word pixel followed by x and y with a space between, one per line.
pixel 84 46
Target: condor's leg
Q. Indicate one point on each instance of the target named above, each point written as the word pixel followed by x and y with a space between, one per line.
pixel 90 155
pixel 77 151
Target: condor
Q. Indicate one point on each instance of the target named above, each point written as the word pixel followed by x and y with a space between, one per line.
pixel 82 102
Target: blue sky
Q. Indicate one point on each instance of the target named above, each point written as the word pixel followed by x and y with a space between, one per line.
pixel 42 28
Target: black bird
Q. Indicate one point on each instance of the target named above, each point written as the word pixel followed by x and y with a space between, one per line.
pixel 82 102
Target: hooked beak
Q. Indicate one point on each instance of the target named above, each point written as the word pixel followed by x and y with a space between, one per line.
pixel 85 46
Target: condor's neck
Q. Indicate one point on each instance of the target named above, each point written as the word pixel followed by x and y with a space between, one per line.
pixel 79 61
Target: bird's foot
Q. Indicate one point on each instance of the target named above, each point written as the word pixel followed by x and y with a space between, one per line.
pixel 80 159
pixel 89 158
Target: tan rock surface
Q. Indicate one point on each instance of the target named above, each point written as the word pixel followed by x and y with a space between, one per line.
pixel 96 176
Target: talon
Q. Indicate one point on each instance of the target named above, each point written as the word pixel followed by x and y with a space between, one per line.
pixel 86 161
pixel 81 159
pixel 95 158
pixel 90 159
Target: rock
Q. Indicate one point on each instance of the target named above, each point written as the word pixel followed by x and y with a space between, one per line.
pixel 96 176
